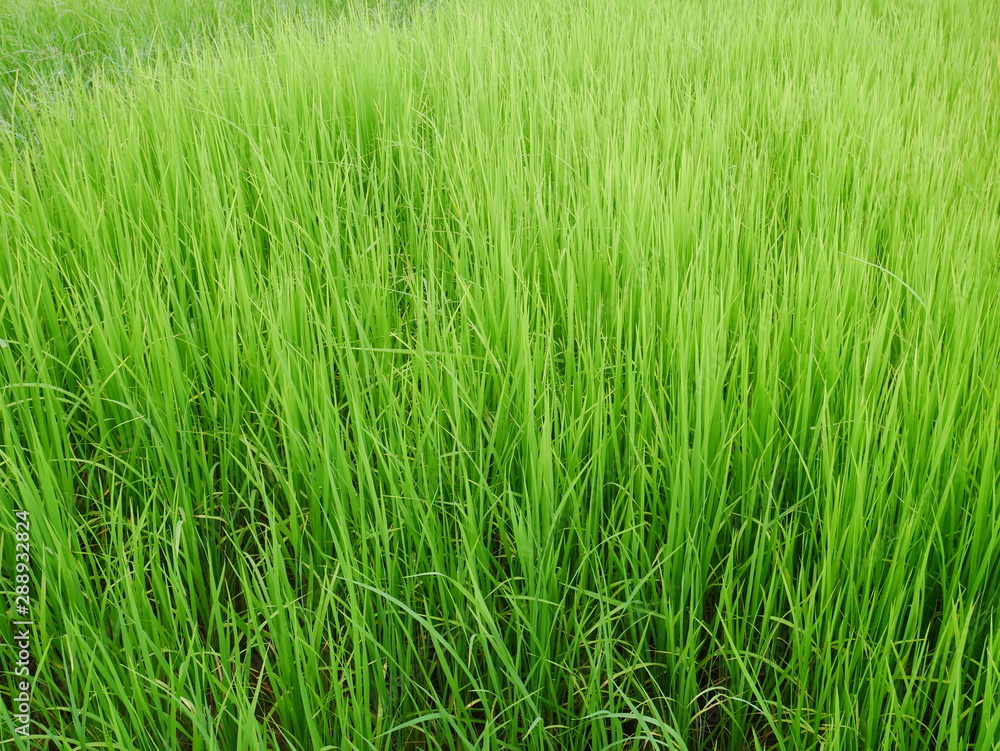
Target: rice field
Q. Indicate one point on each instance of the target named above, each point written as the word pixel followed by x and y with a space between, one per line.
pixel 563 374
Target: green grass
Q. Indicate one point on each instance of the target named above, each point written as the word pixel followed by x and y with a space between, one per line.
pixel 521 375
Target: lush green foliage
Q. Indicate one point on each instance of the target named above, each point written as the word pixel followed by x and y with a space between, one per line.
pixel 564 374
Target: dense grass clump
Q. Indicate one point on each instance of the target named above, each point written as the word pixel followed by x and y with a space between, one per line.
pixel 524 375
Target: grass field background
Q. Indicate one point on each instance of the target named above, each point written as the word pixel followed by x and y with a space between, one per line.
pixel 574 374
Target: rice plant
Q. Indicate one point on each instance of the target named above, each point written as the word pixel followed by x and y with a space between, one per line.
pixel 578 374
